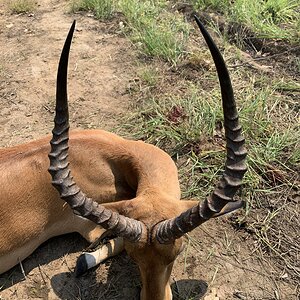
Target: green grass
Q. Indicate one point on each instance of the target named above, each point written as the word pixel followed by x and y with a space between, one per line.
pixel 103 9
pixel 22 6
pixel 149 76
pixel 187 127
pixel 276 19
pixel 158 32
pixel 173 122
pixel 152 28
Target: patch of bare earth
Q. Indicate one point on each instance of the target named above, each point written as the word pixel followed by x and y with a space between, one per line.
pixel 218 263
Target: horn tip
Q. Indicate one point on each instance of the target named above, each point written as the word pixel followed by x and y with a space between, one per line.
pixel 73 25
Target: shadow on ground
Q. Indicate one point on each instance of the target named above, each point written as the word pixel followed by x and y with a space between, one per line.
pixel 117 278
pixel 124 284
pixel 48 252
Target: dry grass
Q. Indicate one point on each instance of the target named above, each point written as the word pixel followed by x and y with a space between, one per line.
pixel 22 6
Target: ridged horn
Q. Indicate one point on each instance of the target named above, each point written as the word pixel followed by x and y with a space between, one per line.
pixel 220 201
pixel 62 180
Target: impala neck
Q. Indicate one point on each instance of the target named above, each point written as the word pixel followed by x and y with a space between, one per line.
pixel 155 283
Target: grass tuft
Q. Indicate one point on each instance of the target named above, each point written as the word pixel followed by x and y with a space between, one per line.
pixel 275 19
pixel 102 9
pixel 22 6
pixel 158 32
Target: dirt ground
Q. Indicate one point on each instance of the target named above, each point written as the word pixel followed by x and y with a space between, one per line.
pixel 218 261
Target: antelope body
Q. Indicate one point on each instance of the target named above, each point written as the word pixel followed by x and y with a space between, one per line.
pixel 133 188
pixel 31 209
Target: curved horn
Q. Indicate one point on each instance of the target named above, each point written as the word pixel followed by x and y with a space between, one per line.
pixel 235 165
pixel 59 166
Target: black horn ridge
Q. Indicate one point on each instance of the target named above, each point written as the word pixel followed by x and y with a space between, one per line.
pixel 221 199
pixel 59 166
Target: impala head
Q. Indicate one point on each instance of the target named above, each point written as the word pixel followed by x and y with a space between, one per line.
pixel 152 238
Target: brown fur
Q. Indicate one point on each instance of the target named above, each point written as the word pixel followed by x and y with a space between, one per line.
pixel 109 169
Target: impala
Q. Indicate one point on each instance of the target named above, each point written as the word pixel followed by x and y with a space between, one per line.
pixel 132 187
